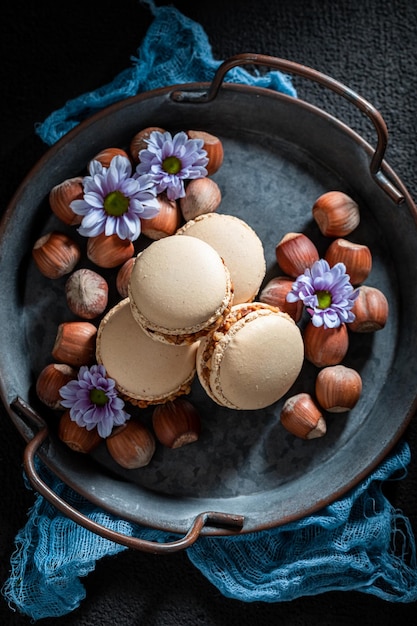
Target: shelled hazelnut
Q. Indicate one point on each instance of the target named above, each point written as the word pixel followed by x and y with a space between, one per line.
pixel 138 142
pixel 50 380
pixel 214 148
pixel 86 293
pixel 202 195
pixel 78 438
pixel 109 251
pixel 325 346
pixel 75 343
pixel 301 416
pixel 356 257
pixel 336 214
pixel 176 423
pixel 131 445
pixel 123 277
pixel 61 196
pixel 371 310
pixel 166 222
pixel 275 293
pixel 338 388
pixel 105 156
pixel 294 253
pixel 55 254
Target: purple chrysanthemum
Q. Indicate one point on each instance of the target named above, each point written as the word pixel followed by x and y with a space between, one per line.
pixel 93 401
pixel 114 202
pixel 171 160
pixel 326 293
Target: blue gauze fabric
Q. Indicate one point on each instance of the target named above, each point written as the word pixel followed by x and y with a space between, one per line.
pixel 156 66
pixel 360 542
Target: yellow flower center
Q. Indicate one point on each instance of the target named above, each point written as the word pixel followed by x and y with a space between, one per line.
pixel 116 203
pixel 324 299
pixel 98 397
pixel 172 165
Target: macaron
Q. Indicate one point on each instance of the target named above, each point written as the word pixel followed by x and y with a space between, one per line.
pixel 238 245
pixel 253 359
pixel 179 289
pixel 146 372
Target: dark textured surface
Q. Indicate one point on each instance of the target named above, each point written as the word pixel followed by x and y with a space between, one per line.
pixel 52 54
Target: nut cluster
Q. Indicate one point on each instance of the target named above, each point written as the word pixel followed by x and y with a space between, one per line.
pixel 177 422
pixel 338 387
pixel 59 254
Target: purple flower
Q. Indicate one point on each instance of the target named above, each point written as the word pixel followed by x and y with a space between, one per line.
pixel 93 401
pixel 114 202
pixel 171 160
pixel 326 293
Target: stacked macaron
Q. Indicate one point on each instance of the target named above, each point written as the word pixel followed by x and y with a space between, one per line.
pixel 191 310
pixel 253 359
pixel 180 289
pixel 146 371
pixel 238 245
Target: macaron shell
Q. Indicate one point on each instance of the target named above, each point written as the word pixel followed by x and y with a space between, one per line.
pixel 257 362
pixel 143 369
pixel 239 246
pixel 179 285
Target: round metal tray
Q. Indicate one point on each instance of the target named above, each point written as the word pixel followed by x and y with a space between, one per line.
pixel 246 472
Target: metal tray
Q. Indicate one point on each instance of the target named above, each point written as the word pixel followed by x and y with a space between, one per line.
pixel 245 473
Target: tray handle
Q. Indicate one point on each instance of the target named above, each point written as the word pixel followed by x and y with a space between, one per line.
pixel 306 72
pixel 213 518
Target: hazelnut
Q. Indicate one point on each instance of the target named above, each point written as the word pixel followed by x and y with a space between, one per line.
pixel 202 195
pixel 176 423
pixel 55 254
pixel 109 251
pixel 86 293
pixel 275 293
pixel 356 257
pixel 61 196
pixel 213 146
pixel 138 142
pixel 131 445
pixel 370 309
pixel 105 156
pixel 302 417
pixel 165 223
pixel 75 343
pixel 78 438
pixel 49 382
pixel 336 214
pixel 325 346
pixel 123 277
pixel 294 253
pixel 338 388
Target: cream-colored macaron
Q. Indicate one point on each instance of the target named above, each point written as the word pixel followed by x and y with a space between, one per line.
pixel 253 359
pixel 238 245
pixel 146 371
pixel 179 289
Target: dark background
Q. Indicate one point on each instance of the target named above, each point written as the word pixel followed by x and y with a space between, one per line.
pixel 52 52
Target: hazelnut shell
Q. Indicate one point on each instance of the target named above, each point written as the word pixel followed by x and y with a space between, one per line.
pixel 176 423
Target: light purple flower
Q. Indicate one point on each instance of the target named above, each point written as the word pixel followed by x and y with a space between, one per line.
pixel 326 293
pixel 170 160
pixel 114 202
pixel 93 401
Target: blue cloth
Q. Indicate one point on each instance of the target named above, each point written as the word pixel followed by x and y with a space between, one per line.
pixel 359 542
pixel 155 66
